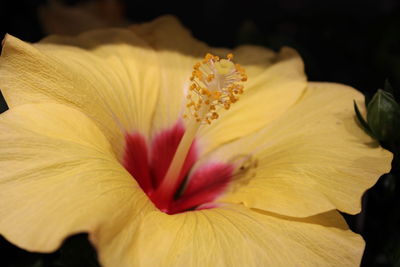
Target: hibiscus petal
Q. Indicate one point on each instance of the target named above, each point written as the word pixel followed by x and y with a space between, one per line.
pixel 59 177
pixel 111 75
pixel 235 236
pixel 275 81
pixel 313 159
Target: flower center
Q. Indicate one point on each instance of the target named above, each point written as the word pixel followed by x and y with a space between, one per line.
pixel 215 84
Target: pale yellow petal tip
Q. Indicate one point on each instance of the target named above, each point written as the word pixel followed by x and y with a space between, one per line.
pixel 8 38
pixel 287 52
pixel 11 41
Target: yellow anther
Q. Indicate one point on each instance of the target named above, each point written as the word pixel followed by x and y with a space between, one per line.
pixel 239 68
pixel 216 83
pixel 198 74
pixel 216 94
pixel 208 57
pixel 193 86
pixel 204 91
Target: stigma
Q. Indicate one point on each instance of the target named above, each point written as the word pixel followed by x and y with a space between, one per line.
pixel 215 83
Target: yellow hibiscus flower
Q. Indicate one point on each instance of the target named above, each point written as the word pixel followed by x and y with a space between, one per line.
pixel 96 120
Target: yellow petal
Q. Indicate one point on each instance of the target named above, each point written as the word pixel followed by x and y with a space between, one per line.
pixel 277 79
pixel 312 159
pixel 235 236
pixel 59 177
pixel 111 75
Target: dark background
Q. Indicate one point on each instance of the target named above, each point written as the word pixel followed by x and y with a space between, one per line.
pixel 352 42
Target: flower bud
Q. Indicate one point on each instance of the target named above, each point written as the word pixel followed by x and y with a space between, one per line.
pixel 383 116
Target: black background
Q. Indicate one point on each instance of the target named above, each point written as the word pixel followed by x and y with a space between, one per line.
pixel 352 42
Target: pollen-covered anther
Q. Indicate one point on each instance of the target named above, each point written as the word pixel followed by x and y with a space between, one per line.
pixel 215 85
pixel 210 77
pixel 214 115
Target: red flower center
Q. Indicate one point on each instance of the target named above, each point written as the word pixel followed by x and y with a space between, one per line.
pixel 148 164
